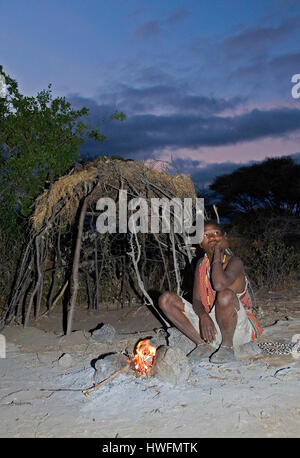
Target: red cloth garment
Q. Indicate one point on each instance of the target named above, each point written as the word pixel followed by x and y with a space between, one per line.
pixel 208 296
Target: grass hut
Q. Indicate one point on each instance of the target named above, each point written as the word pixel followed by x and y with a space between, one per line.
pixel 67 260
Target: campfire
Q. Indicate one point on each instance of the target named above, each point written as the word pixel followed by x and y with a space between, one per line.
pixel 164 362
pixel 144 357
pixel 141 363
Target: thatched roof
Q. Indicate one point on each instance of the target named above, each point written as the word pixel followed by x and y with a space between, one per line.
pixel 112 175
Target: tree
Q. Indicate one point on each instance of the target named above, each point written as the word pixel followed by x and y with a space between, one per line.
pixel 39 141
pixel 272 186
pixel 262 202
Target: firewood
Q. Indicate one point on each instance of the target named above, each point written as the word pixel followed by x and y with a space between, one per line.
pixel 94 388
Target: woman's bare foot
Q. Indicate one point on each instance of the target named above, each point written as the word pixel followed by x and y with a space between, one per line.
pixel 202 351
pixel 223 355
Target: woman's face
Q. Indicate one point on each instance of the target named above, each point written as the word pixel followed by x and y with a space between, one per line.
pixel 211 236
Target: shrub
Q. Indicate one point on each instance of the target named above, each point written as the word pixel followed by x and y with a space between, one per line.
pixel 270 263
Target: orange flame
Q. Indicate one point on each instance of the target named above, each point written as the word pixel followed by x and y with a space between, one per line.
pixel 144 357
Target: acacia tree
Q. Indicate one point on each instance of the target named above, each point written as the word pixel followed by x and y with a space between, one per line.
pixel 272 186
pixel 39 141
pixel 262 202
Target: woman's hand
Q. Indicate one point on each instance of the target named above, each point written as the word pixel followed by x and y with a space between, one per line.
pixel 207 328
pixel 219 249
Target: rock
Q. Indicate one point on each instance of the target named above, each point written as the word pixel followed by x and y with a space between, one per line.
pixel 106 334
pixel 160 338
pixel 65 360
pixel 49 358
pixel 171 365
pixel 74 341
pixel 177 339
pixel 161 332
pixel 107 365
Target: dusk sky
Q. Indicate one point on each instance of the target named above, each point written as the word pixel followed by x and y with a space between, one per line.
pixel 206 84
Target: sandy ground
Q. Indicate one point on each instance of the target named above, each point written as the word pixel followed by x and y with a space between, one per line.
pixel 39 397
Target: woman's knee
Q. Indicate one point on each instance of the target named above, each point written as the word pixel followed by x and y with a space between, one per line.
pixel 167 301
pixel 164 300
pixel 226 298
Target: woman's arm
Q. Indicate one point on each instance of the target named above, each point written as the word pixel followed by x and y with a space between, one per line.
pixel 220 278
pixel 207 328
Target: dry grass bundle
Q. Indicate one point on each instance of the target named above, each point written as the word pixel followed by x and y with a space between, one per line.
pixel 111 174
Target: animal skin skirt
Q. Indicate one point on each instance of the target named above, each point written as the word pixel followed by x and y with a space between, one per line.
pixel 243 331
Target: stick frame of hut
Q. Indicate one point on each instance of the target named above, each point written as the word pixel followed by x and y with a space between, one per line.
pixel 66 255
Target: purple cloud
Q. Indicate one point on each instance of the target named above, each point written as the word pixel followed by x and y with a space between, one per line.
pixel 153 28
pixel 146 134
pixel 147 30
pixel 260 35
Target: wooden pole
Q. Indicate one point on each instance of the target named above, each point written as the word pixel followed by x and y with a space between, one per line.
pixel 76 259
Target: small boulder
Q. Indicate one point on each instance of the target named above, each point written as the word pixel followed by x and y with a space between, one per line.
pixel 105 335
pixel 107 365
pixel 65 360
pixel 159 338
pixel 171 365
pixel 177 339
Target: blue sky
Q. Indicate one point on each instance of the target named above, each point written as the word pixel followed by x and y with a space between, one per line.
pixel 206 84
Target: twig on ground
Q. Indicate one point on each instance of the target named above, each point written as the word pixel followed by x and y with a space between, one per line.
pixel 115 374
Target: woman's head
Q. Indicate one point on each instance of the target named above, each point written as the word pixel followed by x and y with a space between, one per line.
pixel 212 234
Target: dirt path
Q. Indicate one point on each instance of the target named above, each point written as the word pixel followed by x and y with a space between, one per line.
pixel 41 397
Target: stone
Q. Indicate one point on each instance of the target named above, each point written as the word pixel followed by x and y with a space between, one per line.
pixel 171 365
pixel 49 357
pixel 74 341
pixel 107 365
pixel 65 360
pixel 177 339
pixel 160 338
pixel 105 335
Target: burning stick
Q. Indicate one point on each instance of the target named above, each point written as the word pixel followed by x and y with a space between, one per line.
pixel 94 388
